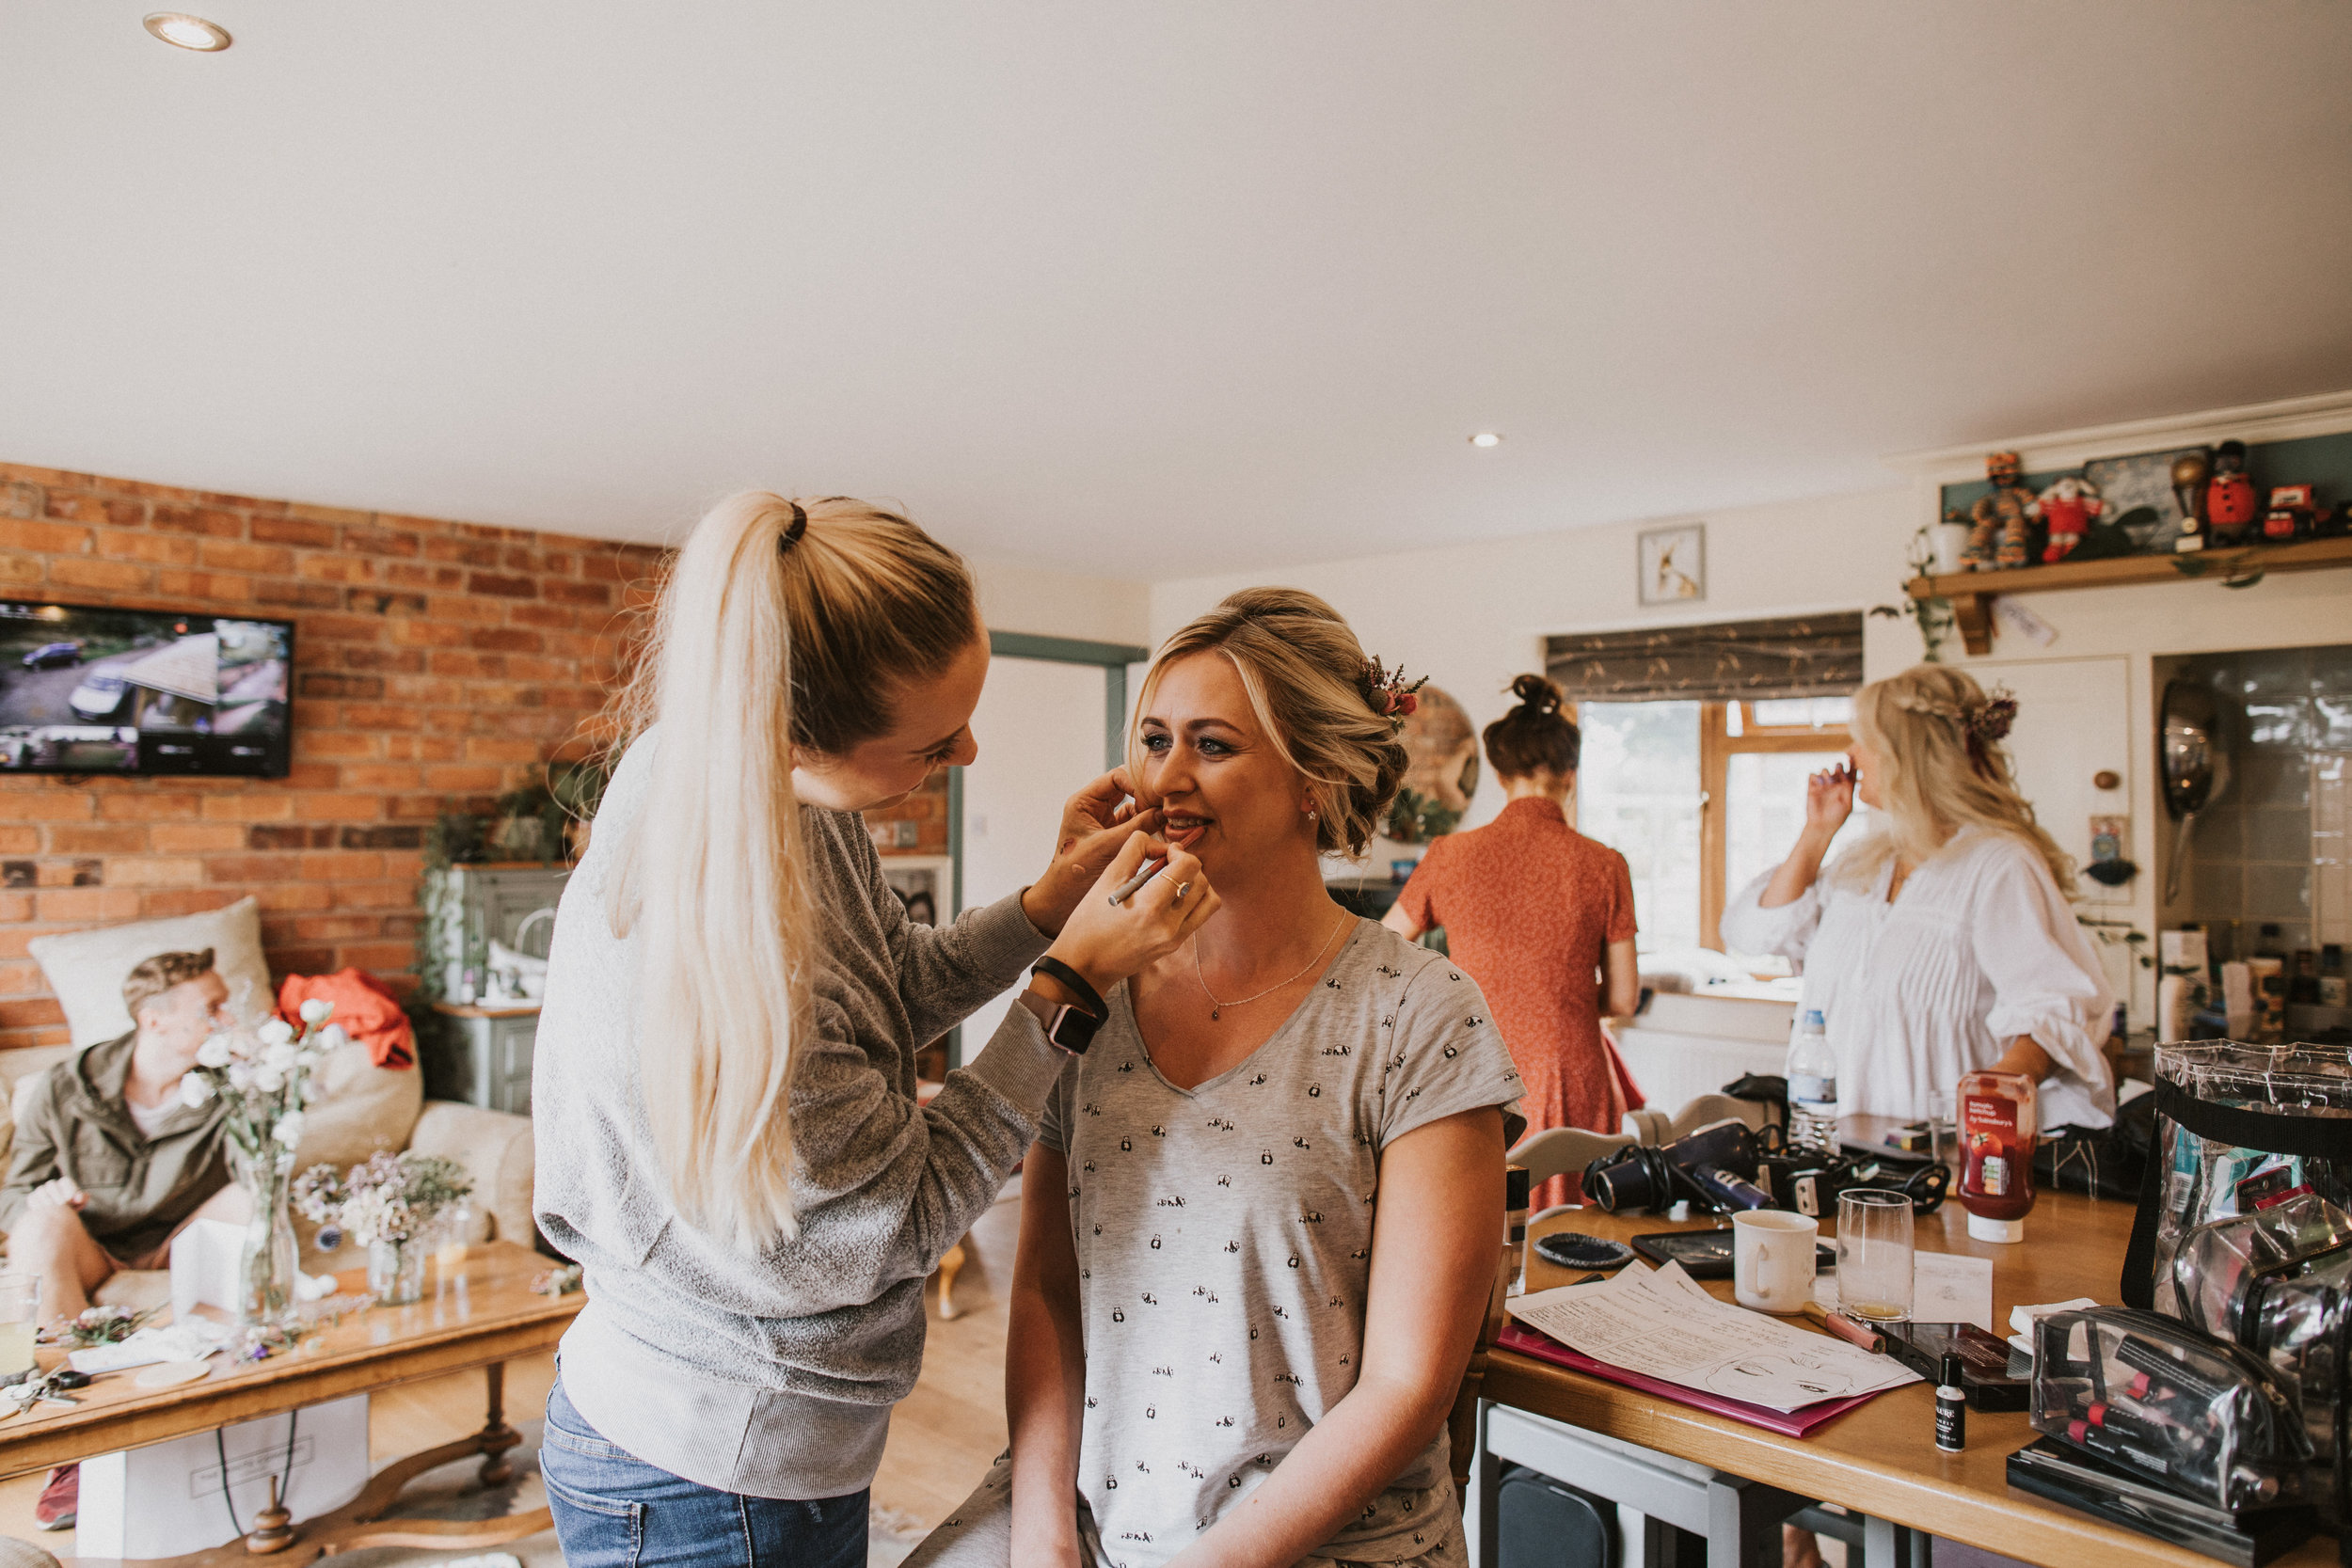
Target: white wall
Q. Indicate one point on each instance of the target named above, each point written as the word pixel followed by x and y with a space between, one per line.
pixel 1471 616
pixel 1019 598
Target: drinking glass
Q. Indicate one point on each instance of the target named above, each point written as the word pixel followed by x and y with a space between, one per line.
pixel 19 1315
pixel 1874 1255
pixel 1944 1130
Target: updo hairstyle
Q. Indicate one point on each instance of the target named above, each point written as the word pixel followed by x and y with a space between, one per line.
pixel 1304 672
pixel 1532 737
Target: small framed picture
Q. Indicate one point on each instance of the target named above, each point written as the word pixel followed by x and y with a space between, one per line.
pixel 1674 565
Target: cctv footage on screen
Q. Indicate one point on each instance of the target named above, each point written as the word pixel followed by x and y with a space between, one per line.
pixel 86 689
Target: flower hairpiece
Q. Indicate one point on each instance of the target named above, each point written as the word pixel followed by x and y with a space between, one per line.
pixel 1989 721
pixel 1388 694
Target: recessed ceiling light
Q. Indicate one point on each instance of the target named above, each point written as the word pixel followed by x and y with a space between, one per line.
pixel 1486 438
pixel 188 32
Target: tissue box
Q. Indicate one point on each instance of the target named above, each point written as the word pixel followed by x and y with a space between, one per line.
pixel 164 1499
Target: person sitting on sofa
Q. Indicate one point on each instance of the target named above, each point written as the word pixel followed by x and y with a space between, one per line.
pixel 110 1163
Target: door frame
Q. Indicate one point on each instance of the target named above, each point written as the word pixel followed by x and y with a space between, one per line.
pixel 1112 659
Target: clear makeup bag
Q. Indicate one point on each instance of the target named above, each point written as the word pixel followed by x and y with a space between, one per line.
pixel 2279 1283
pixel 2236 1127
pixel 2171 1406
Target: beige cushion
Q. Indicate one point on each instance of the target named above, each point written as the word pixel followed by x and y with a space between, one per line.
pixel 496 1150
pixel 85 969
pixel 20 1071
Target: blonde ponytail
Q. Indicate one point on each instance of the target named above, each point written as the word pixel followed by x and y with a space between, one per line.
pixel 781 624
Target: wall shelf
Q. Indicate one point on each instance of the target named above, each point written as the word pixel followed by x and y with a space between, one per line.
pixel 1972 592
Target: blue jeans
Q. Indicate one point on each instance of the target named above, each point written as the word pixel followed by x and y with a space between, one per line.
pixel 612 1510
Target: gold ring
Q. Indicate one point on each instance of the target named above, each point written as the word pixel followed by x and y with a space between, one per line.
pixel 1182 888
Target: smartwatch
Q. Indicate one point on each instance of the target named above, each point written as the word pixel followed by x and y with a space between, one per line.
pixel 1069 1027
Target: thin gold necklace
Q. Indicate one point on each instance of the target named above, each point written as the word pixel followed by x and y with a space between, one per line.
pixel 1217 1008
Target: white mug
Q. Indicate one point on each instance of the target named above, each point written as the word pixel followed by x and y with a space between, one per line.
pixel 1771 1259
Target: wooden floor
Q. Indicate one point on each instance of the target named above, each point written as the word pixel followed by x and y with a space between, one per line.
pixel 943 1438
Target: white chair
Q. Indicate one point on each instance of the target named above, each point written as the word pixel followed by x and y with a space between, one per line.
pixel 1562 1151
pixel 1652 1126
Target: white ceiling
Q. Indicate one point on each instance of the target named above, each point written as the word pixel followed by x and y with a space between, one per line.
pixel 1150 288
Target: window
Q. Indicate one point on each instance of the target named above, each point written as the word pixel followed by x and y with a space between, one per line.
pixel 1703 798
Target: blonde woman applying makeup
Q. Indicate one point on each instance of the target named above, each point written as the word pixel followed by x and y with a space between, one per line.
pixel 729 1140
pixel 1258 1223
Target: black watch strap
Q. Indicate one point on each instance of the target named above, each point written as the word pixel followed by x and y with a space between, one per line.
pixel 1079 987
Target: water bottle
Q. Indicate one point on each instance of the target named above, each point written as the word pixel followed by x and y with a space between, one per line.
pixel 1812 1074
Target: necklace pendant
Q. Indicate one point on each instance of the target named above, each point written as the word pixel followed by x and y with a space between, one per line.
pixel 1216 1013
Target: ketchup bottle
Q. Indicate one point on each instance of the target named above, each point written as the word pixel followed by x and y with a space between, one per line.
pixel 2000 1124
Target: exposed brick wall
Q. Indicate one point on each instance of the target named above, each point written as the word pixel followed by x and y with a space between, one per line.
pixel 437 664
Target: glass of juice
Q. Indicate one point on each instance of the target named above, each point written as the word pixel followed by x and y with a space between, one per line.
pixel 19 1315
pixel 1874 1255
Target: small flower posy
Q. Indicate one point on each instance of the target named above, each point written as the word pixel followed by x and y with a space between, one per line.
pixel 1388 694
pixel 392 1197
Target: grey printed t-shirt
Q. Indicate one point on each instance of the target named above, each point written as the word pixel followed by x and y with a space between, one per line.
pixel 1224 1242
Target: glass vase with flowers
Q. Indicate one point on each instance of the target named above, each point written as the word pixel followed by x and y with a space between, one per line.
pixel 263 1076
pixel 394 1206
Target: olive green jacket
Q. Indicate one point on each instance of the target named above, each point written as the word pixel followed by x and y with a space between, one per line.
pixel 76 1126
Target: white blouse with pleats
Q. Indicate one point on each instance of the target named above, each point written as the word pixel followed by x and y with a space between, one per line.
pixel 1978 948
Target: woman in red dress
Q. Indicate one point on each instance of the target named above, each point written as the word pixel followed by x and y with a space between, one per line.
pixel 1535 912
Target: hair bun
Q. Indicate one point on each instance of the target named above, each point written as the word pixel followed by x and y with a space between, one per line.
pixel 1536 695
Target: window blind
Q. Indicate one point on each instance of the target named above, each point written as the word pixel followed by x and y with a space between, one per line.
pixel 1803 656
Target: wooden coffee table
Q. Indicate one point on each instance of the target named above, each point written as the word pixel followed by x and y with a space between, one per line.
pixel 482 1313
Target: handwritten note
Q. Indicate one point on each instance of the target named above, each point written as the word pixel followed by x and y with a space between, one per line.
pixel 1666 1325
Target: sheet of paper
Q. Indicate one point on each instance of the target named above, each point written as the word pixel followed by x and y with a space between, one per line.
pixel 1949 1288
pixel 192 1340
pixel 1666 1325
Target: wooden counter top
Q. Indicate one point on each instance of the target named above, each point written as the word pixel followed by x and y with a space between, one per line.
pixel 1881 1458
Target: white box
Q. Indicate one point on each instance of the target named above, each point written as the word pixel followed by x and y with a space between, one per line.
pixel 206 1258
pixel 164 1499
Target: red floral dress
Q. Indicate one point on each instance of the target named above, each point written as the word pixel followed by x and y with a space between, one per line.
pixel 1530 907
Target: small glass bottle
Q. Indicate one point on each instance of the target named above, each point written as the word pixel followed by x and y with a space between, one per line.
pixel 1951 1407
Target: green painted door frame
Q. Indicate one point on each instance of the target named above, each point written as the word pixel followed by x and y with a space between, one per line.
pixel 1113 659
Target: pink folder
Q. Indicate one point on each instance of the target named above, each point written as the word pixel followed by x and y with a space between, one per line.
pixel 1789 1423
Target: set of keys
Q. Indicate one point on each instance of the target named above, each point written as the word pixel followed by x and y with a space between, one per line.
pixel 49 1388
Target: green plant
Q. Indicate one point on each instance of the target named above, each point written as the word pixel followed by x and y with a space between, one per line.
pixel 1934 616
pixel 1414 817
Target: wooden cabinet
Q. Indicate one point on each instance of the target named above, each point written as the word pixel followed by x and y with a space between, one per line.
pixel 474 1051
pixel 480 1056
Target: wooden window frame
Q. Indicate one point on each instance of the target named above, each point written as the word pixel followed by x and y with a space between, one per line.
pixel 1717 747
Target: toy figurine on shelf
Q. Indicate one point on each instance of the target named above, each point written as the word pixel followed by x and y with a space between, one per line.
pixel 2189 472
pixel 2230 505
pixel 2292 515
pixel 2009 511
pixel 2068 506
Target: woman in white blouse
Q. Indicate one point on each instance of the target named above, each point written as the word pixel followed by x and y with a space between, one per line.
pixel 1943 942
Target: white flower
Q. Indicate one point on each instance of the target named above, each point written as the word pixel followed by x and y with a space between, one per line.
pixel 289 1128
pixel 267 1079
pixel 316 1010
pixel 275 1031
pixel 279 1056
pixel 195 1089
pixel 240 1076
pixel 332 1037
pixel 213 1051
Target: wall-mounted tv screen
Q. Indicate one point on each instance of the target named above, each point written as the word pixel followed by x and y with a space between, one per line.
pixel 85 689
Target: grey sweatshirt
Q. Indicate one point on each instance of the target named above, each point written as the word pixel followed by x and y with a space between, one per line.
pixel 774 1375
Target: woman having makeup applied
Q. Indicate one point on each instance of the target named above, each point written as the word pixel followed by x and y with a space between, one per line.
pixel 729 1140
pixel 1259 1223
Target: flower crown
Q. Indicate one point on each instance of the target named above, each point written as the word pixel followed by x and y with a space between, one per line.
pixel 1388 694
pixel 1982 723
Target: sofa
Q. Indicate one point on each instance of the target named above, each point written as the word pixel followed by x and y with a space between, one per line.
pixel 363 1109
